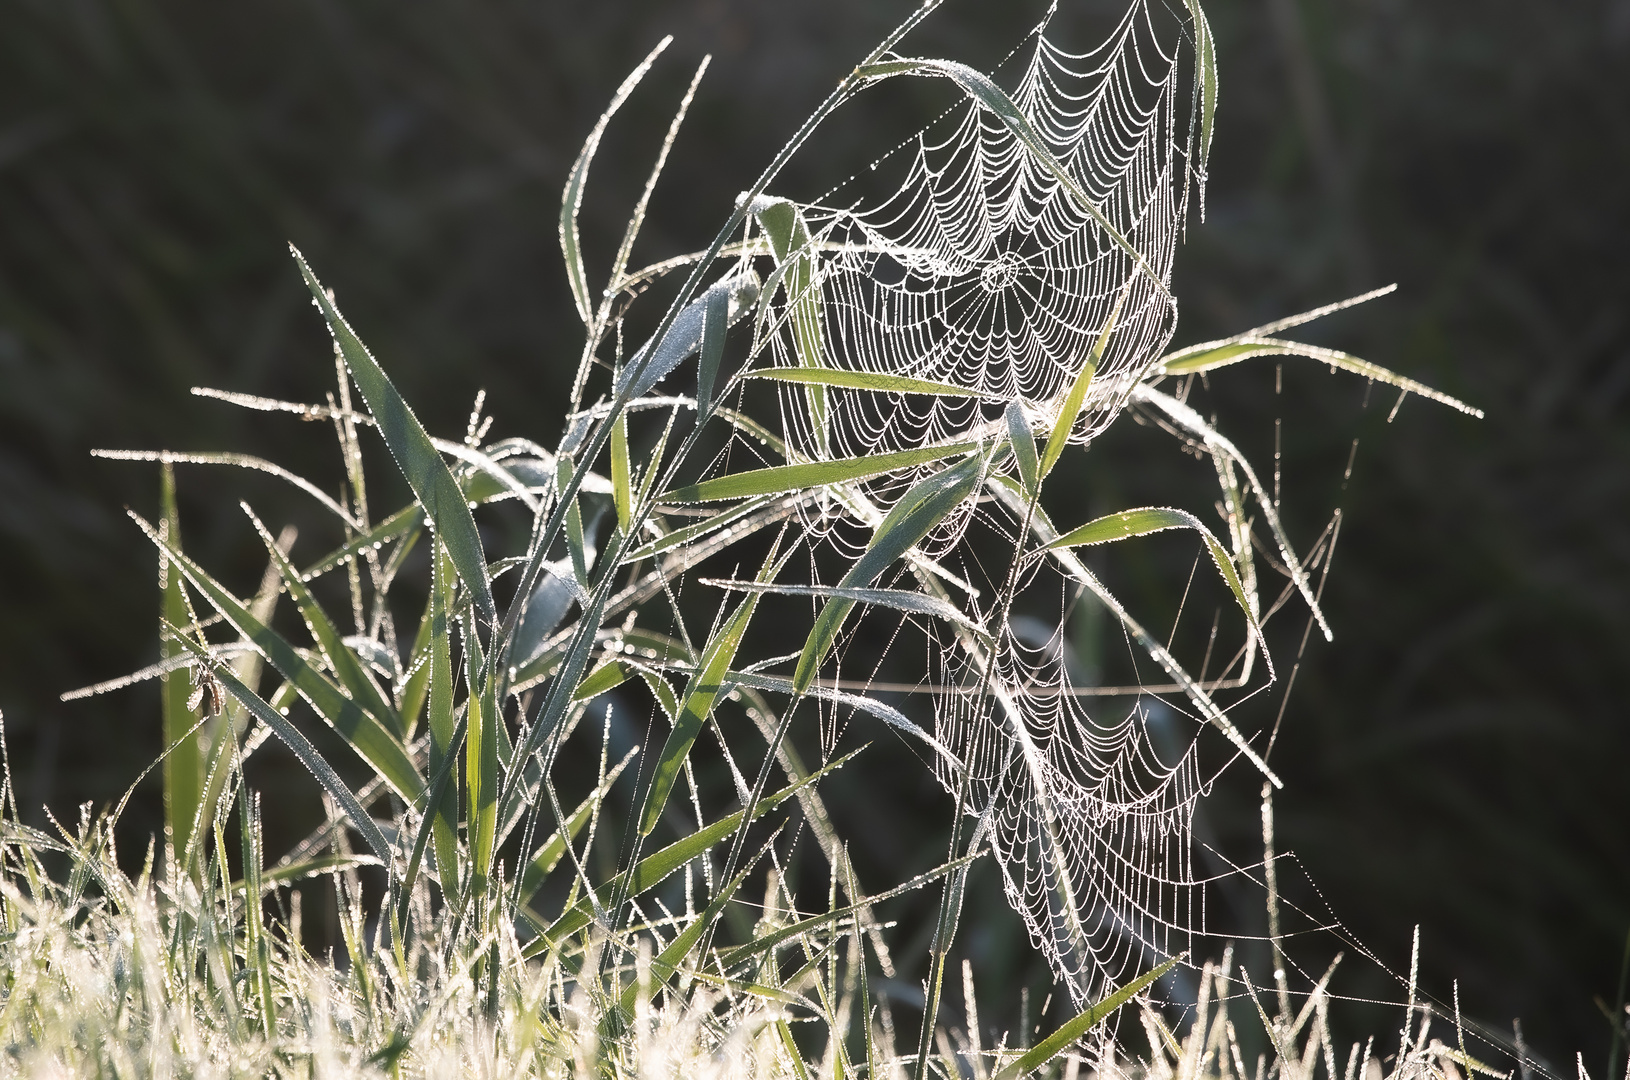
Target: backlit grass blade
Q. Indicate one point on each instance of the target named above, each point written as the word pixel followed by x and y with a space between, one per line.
pixel 1205 81
pixel 184 765
pixel 364 691
pixel 367 735
pixel 861 380
pixel 906 600
pixel 783 223
pixel 779 479
pixel 621 492
pixel 1071 406
pixel 302 748
pixel 1023 441
pixel 571 199
pixel 715 325
pixel 443 808
pixel 699 698
pixel 682 537
pixel 656 868
pixel 1153 519
pixel 549 853
pixel 480 764
pixel 978 85
pixel 665 963
pixel 427 474
pixel 1065 1036
pixel 398 524
pixel 1211 355
pixel 922 508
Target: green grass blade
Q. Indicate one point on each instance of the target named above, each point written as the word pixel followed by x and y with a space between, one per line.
pixel 814 375
pixel 1023 441
pixel 1215 354
pixel 621 491
pixel 788 233
pixel 398 524
pixel 184 765
pixel 549 853
pixel 368 736
pixel 978 85
pixel 571 199
pixel 906 600
pixel 302 748
pixel 1071 407
pixel 700 696
pixel 442 811
pixel 780 479
pixel 923 507
pixel 665 963
pixel 656 868
pixel 364 691
pixel 480 764
pixel 715 325
pixel 1153 519
pixel 1058 1041
pixel 427 474
pixel 682 537
pixel 1205 81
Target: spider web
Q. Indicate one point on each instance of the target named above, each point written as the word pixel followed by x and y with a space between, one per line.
pixel 984 273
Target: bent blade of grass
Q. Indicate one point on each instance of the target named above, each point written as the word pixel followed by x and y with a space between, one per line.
pixel 1215 354
pixel 907 600
pixel 371 739
pixel 781 479
pixel 654 869
pixel 701 694
pixel 1070 408
pixel 715 324
pixel 549 853
pixel 1205 79
pixel 364 691
pixel 313 761
pixel 783 223
pixel 398 524
pixel 1058 1041
pixel 571 199
pixel 427 474
pixel 814 375
pixel 1023 442
pixel 922 508
pixel 1152 519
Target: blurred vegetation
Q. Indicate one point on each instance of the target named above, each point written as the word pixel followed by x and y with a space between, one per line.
pixel 1458 757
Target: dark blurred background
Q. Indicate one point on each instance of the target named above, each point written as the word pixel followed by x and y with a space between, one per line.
pixel 1458 759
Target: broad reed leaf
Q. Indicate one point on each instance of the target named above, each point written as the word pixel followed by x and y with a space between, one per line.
pixel 656 359
pixel 715 326
pixel 427 474
pixel 1023 441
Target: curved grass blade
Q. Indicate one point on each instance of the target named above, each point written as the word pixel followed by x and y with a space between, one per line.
pixel 1205 81
pixel 923 507
pixel 400 523
pixel 571 199
pixel 1058 1041
pixel 480 763
pixel 364 691
pixel 978 85
pixel 1153 519
pixel 715 324
pixel 815 375
pixel 654 869
pixel 701 694
pixel 621 492
pixel 427 474
pixel 657 358
pixel 1023 441
pixel 783 223
pixel 549 853
pixel 1077 396
pixel 683 536
pixel 442 809
pixel 367 735
pixel 780 479
pixel 308 755
pixel 1215 354
pixel 906 600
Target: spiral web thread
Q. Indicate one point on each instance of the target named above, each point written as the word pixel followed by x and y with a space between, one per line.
pixel 983 272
